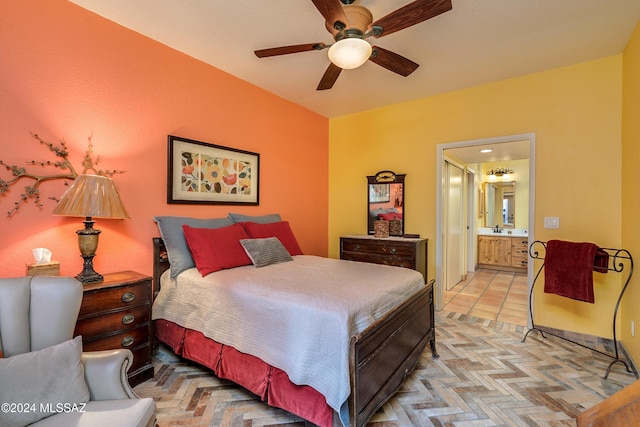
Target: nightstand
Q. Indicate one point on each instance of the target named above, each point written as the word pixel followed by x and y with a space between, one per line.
pixel 116 313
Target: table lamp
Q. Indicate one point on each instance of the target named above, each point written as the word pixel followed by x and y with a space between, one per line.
pixel 90 196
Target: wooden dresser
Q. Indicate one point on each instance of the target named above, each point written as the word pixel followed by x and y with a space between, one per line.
pixel 116 313
pixel 398 251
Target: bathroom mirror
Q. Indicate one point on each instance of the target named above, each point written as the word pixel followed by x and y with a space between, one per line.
pixel 385 200
pixel 499 204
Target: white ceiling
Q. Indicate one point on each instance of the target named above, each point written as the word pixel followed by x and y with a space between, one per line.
pixel 478 42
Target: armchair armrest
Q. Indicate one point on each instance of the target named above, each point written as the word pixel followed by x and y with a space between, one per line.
pixel 105 373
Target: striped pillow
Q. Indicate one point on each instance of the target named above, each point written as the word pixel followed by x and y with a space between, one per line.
pixel 265 251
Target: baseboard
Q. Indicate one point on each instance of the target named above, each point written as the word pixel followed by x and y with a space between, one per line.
pixel 599 343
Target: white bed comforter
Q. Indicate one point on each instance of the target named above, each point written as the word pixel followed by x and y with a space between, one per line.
pixel 297 316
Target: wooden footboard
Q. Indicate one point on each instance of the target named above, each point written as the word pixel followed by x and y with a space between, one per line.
pixel 384 354
pixel 381 356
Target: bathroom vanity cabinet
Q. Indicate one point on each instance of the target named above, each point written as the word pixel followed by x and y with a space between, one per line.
pixel 502 253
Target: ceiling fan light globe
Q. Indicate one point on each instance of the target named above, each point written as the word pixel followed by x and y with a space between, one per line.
pixel 350 53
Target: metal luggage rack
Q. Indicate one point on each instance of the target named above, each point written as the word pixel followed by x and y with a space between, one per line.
pixel 620 261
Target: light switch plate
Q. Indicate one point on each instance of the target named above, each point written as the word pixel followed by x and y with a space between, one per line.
pixel 551 222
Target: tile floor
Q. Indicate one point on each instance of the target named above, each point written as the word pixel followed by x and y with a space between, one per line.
pixel 489 294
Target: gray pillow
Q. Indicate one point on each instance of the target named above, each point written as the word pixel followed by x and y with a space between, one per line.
pixel 266 251
pixel 42 382
pixel 260 219
pixel 173 236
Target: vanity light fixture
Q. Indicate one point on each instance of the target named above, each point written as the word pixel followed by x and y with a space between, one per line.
pixel 503 173
pixel 500 171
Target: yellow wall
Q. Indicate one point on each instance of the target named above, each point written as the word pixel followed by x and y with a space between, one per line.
pixel 631 188
pixel 576 115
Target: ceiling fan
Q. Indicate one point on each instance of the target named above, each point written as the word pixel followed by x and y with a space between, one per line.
pixel 350 25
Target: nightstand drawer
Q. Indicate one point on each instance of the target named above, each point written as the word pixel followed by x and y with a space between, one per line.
pixel 116 298
pixel 115 321
pixel 125 339
pixel 141 353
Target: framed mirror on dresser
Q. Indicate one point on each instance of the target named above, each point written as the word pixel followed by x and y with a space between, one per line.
pixel 385 201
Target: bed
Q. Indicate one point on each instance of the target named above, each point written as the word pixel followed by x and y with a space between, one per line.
pixel 370 356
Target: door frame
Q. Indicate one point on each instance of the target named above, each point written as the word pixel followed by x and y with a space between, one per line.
pixel 470 234
pixel 440 178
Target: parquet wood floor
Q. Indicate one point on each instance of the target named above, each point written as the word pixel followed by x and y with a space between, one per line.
pixel 485 376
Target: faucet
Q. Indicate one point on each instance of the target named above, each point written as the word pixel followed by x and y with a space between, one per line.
pixel 497 229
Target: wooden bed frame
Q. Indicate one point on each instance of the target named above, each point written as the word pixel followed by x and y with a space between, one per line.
pixel 381 356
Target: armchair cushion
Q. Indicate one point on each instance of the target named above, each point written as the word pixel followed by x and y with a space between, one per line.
pixel 107 413
pixel 41 381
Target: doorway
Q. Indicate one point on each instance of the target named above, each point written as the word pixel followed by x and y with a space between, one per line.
pixel 502 145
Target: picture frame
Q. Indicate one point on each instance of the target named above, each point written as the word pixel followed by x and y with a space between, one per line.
pixel 203 173
pixel 379 193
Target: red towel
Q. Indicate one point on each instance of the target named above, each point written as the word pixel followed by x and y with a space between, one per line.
pixel 569 269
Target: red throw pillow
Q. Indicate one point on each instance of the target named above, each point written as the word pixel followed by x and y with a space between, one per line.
pixel 281 230
pixel 215 249
pixel 387 216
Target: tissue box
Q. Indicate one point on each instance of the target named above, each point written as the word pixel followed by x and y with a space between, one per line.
pixel 46 269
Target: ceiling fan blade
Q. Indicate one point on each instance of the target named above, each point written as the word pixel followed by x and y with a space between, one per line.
pixel 392 61
pixel 332 12
pixel 284 50
pixel 329 78
pixel 411 14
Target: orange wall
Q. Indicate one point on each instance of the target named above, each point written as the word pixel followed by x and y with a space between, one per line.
pixel 69 74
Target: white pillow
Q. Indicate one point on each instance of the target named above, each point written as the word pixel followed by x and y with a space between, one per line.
pixel 39 384
pixel 265 251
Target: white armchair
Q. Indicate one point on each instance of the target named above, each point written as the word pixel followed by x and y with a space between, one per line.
pixel 45 378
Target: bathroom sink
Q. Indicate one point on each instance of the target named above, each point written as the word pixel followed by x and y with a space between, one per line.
pixel 505 232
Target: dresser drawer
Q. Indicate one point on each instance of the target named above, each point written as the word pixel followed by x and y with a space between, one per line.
pixel 115 298
pixel 113 321
pixel 378 259
pixel 376 247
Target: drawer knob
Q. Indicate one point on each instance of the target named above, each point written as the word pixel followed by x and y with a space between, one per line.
pixel 393 250
pixel 357 248
pixel 128 319
pixel 128 297
pixel 127 341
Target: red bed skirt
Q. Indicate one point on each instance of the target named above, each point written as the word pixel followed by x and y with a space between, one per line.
pixel 271 384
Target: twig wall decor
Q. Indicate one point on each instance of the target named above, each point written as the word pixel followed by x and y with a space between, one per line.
pixel 68 172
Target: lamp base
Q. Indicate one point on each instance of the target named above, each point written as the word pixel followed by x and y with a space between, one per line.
pixel 88 243
pixel 88 274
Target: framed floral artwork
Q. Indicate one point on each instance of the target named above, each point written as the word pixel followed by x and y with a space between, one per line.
pixel 199 172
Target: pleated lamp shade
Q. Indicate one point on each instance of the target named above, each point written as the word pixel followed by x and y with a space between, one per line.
pixel 92 196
